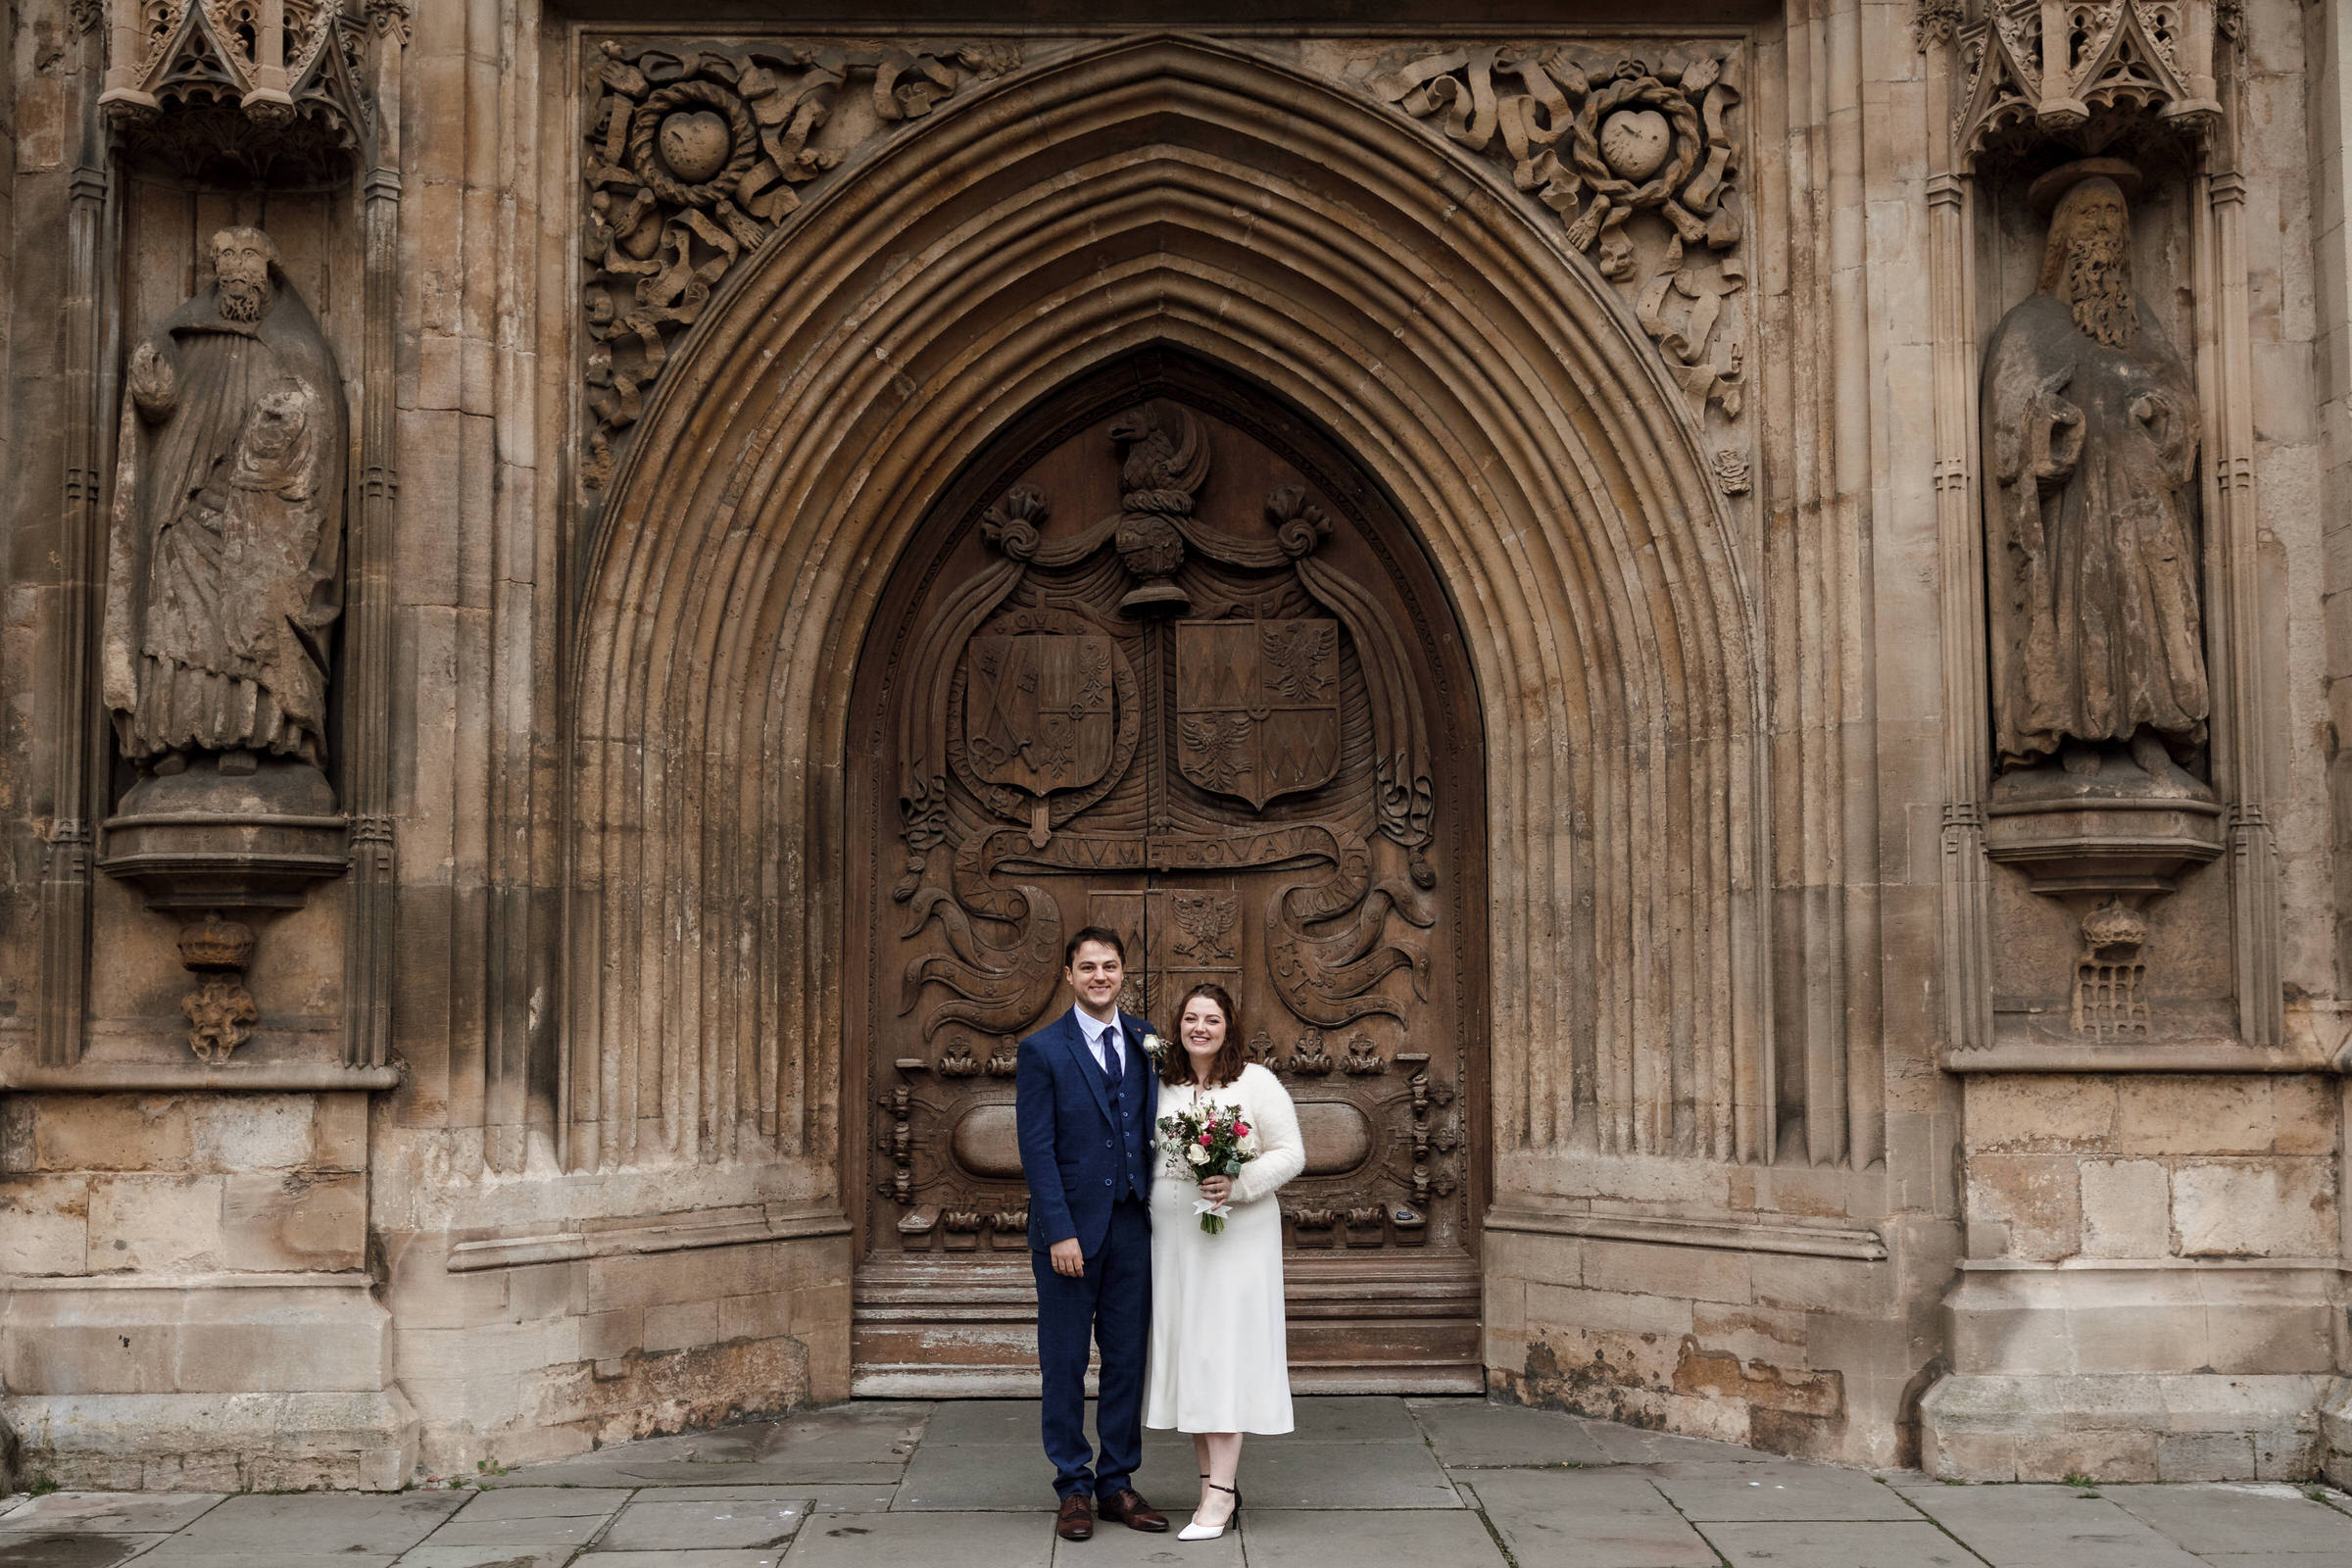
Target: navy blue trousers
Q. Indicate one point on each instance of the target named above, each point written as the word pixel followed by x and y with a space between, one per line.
pixel 1110 1305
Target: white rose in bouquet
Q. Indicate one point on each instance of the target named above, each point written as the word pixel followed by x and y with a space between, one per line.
pixel 1195 1153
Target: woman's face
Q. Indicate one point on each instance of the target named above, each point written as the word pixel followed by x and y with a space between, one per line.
pixel 1201 1029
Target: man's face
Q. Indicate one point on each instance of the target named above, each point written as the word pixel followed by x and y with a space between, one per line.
pixel 243 271
pixel 1096 974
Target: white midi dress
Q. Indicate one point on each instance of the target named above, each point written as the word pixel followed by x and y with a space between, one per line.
pixel 1219 1361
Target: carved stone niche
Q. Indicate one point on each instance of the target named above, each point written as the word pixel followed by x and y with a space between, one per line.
pixel 2094 559
pixel 242 91
pixel 225 578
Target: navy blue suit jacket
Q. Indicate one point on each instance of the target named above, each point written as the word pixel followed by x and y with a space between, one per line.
pixel 1069 1127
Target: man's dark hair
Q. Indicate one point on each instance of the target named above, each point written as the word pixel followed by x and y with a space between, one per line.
pixel 1093 933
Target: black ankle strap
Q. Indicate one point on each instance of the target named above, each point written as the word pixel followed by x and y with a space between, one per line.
pixel 1214 1487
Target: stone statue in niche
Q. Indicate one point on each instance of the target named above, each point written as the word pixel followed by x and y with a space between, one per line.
pixel 225 578
pixel 2090 428
pixel 225 569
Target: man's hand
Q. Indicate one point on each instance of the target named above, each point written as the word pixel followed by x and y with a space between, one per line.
pixel 1067 1258
pixel 153 386
pixel 1216 1189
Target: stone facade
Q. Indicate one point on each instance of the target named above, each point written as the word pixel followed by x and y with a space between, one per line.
pixel 1835 1076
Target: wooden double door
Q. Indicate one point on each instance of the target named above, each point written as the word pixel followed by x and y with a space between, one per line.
pixel 1164 661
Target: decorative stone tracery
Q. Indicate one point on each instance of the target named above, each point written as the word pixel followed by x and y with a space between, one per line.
pixel 243 90
pixel 2088 69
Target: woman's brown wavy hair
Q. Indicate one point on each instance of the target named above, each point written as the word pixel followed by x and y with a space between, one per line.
pixel 1176 1062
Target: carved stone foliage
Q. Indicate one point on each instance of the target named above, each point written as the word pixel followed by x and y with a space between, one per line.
pixel 239 91
pixel 1640 160
pixel 693 156
pixel 2089 71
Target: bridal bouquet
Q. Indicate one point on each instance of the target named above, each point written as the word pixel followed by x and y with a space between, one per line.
pixel 1210 1138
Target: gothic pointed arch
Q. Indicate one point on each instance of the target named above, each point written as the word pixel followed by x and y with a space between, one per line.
pixel 1162 190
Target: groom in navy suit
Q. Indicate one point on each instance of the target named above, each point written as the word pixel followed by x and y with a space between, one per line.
pixel 1087 1098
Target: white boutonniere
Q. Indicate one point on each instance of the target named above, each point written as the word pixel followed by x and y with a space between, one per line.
pixel 1154 1046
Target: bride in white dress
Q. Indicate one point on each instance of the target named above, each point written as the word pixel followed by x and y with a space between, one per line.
pixel 1219 1366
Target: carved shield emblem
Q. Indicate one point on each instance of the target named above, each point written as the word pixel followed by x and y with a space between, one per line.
pixel 1037 711
pixel 1257 705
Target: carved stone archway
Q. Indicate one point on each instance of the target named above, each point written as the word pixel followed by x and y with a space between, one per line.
pixel 1184 192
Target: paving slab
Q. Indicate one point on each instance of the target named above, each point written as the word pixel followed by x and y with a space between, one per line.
pixel 1840 1543
pixel 967 1477
pixel 1732 1492
pixel 58 1548
pixel 1306 1538
pixel 1587 1519
pixel 1351 1419
pixel 678 1526
pixel 1471 1434
pixel 178 1552
pixel 318 1523
pixel 1287 1473
pixel 541 1503
pixel 2033 1526
pixel 917 1541
pixel 119 1513
pixel 1624 1445
pixel 2239 1519
pixel 520 1536
pixel 850 1499
pixel 621 1468
pixel 680 1559
pixel 1117 1547
pixel 868 1431
pixel 430 1555
pixel 963 1422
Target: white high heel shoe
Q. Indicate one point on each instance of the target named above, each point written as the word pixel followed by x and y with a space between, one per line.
pixel 1197 1531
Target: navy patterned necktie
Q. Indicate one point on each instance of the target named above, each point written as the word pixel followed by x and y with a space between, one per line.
pixel 1113 1066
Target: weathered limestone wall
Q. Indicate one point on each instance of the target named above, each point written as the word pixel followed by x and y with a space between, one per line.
pixel 1775 1150
pixel 189 1303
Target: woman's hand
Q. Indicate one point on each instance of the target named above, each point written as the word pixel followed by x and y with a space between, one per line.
pixel 1216 1189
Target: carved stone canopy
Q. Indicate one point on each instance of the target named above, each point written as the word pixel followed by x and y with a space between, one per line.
pixel 2089 72
pixel 235 91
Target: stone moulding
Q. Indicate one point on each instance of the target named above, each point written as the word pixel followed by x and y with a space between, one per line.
pixel 678 1233
pixel 692 159
pixel 1728 1233
pixel 1613 143
pixel 173 1077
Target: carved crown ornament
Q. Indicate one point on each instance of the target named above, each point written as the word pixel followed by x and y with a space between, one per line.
pixel 2085 70
pixel 235 91
pixel 1641 161
pixel 692 159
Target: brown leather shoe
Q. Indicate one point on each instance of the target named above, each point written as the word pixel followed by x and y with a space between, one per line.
pixel 1128 1507
pixel 1076 1521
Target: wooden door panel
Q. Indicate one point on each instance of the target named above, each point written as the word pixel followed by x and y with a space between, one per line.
pixel 1167 663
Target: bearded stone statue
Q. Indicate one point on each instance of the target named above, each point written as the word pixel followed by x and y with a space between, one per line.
pixel 224 566
pixel 2091 541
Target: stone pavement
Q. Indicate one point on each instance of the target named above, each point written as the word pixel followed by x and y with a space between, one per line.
pixel 1364 1482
